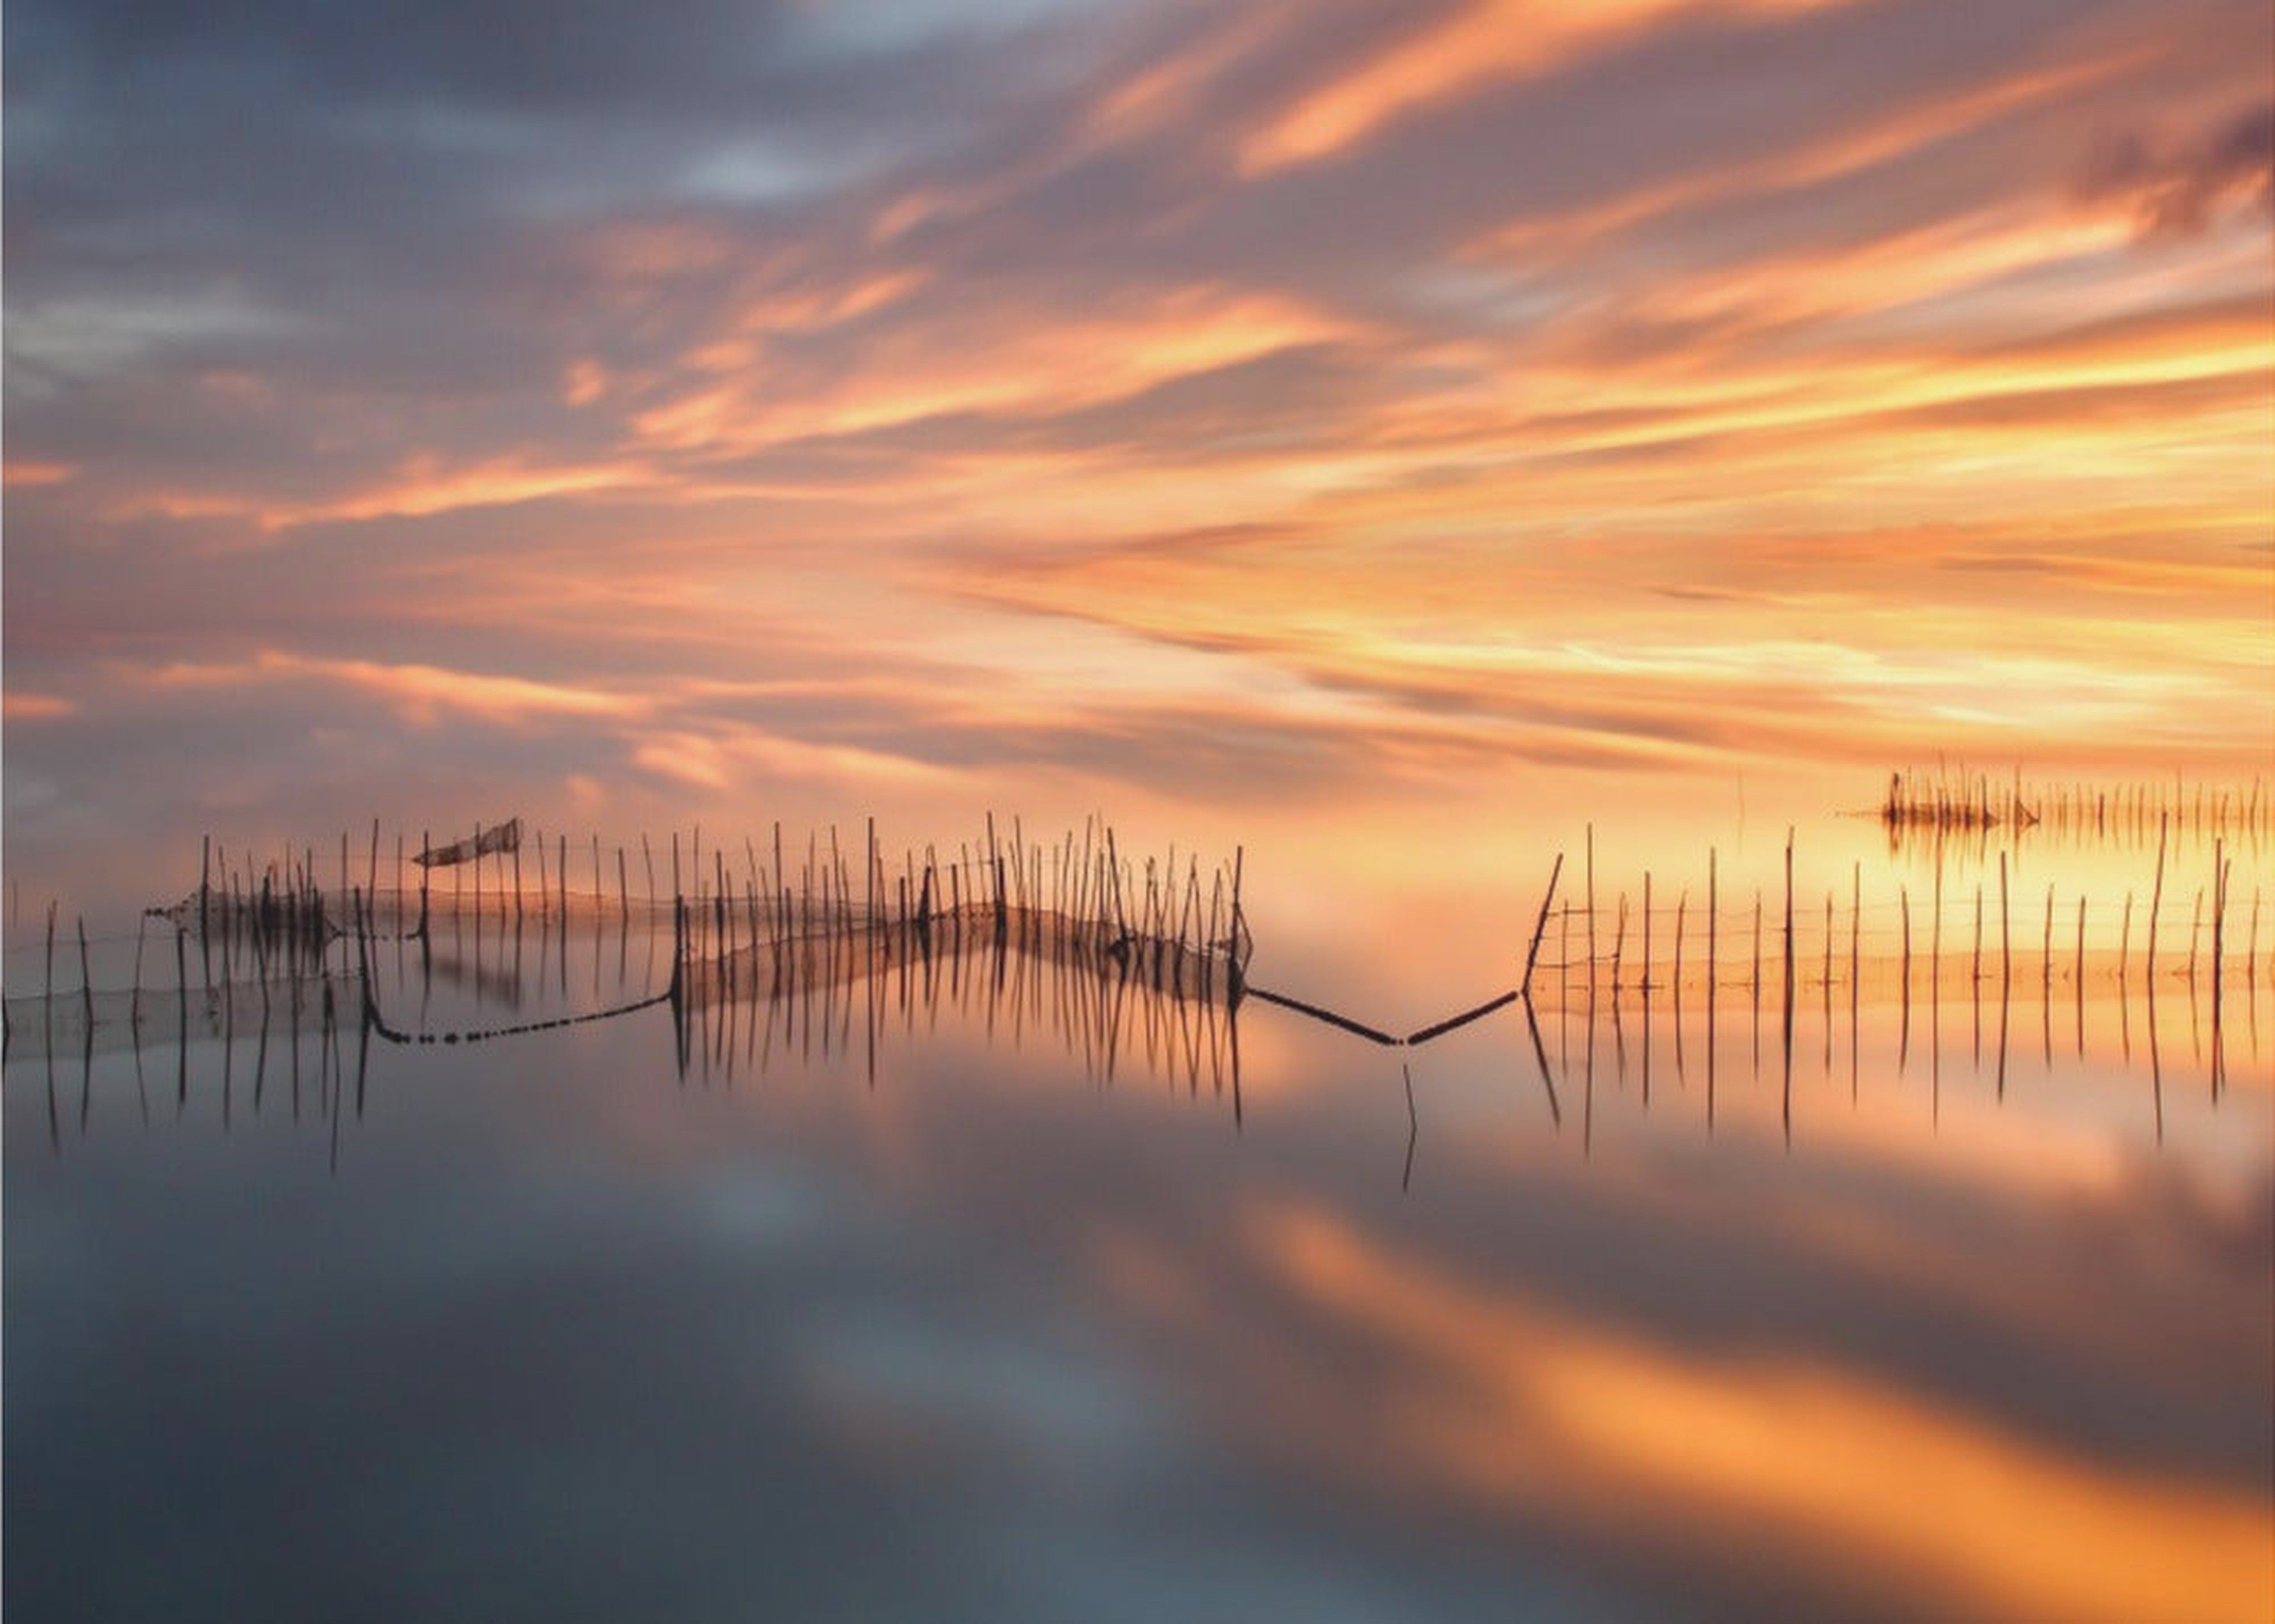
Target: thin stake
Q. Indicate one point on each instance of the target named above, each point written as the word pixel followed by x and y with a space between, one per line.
pixel 2157 896
pixel 1591 909
pixel 1532 952
pixel 86 981
pixel 2006 940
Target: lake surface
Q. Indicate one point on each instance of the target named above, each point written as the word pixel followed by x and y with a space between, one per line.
pixel 961 1283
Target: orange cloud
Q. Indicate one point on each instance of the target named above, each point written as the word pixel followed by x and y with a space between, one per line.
pixel 1488 41
pixel 420 693
pixel 423 486
pixel 17 705
pixel 994 360
pixel 20 473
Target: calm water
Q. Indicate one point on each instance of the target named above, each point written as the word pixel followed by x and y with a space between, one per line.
pixel 978 1288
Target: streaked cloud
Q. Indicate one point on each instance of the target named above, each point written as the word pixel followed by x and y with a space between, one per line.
pixel 1662 384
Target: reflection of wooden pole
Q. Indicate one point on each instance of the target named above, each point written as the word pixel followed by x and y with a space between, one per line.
pixel 2046 948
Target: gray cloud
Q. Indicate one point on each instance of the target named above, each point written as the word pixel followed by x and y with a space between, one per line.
pixel 2176 187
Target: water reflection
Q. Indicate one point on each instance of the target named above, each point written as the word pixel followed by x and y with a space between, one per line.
pixel 1719 1275
pixel 1106 1000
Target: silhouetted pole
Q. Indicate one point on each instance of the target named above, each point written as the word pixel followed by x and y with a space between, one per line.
pixel 2157 894
pixel 1541 925
pixel 87 984
pixel 1591 912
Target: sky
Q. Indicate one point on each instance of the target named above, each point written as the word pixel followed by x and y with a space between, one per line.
pixel 577 404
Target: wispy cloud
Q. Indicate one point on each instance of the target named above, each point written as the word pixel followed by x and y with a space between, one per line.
pixel 1482 374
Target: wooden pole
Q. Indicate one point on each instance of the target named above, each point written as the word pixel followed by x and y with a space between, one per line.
pixel 1646 933
pixel 1788 970
pixel 2006 941
pixel 134 998
pixel 1591 912
pixel 2219 915
pixel 1681 908
pixel 1239 920
pixel 1532 952
pixel 86 981
pixel 2157 896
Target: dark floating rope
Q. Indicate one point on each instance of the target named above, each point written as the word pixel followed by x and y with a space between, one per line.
pixel 486 1034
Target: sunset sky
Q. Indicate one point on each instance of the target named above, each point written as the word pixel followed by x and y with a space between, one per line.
pixel 1205 399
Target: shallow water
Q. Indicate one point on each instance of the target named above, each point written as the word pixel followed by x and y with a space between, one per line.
pixel 979 1286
